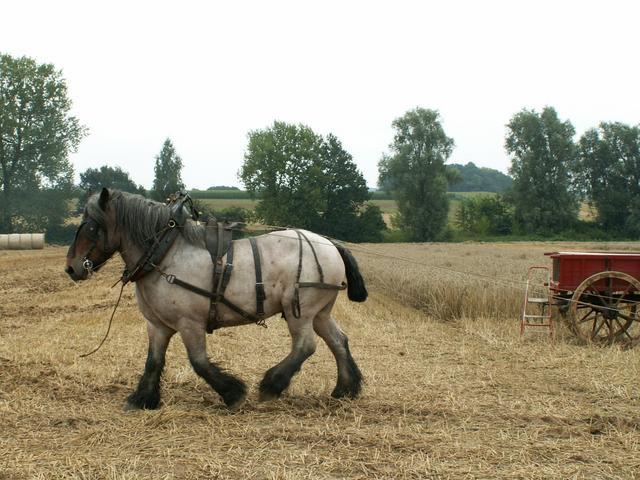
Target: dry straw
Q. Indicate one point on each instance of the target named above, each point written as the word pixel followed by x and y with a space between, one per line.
pixel 458 399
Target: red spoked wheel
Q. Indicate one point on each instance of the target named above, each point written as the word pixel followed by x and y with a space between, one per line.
pixel 604 309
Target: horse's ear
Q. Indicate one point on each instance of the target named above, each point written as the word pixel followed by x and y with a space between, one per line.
pixel 104 198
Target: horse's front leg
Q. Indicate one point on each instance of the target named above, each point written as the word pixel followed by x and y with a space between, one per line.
pixel 147 395
pixel 232 390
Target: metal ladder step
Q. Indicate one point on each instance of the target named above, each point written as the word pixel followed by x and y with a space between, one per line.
pixel 543 319
pixel 537 300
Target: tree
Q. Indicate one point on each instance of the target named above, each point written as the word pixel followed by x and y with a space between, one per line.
pixel 345 190
pixel 307 181
pixel 369 226
pixel 92 180
pixel 608 172
pixel 484 215
pixel 37 133
pixel 542 156
pixel 281 165
pixel 474 179
pixel 168 170
pixel 222 187
pixel 416 175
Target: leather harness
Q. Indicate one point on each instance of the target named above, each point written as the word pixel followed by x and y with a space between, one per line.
pixel 219 242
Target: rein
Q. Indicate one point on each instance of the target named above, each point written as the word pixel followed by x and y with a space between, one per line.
pixel 138 272
pixel 162 241
pixel 104 339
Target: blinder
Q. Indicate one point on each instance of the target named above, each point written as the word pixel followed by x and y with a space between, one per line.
pixel 91 228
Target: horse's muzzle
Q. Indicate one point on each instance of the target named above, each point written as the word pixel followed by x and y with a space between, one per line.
pixel 72 273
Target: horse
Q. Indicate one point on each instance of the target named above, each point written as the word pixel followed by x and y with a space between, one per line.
pixel 119 222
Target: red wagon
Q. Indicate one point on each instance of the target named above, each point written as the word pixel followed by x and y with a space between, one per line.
pixel 597 292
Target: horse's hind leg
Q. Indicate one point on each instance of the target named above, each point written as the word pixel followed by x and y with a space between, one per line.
pixel 303 344
pixel 349 377
pixel 147 395
pixel 232 390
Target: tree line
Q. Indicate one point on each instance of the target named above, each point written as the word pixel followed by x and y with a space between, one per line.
pixel 303 179
pixel 553 175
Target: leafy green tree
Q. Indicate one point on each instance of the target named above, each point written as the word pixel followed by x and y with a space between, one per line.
pixel 370 225
pixel 484 215
pixel 281 166
pixel 608 172
pixel 345 191
pixel 37 133
pixel 416 175
pixel 168 172
pixel 222 187
pixel 542 156
pixel 475 179
pixel 305 180
pixel 93 179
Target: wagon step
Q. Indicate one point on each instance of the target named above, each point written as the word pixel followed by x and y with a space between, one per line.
pixel 536 310
pixel 538 300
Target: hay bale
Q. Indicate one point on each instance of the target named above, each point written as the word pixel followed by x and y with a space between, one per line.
pixel 22 241
pixel 37 241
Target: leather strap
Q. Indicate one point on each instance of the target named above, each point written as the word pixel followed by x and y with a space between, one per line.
pixel 162 240
pixel 218 296
pixel 321 285
pixel 173 280
pixel 154 255
pixel 295 305
pixel 228 269
pixel 216 262
pixel 260 294
pixel 315 256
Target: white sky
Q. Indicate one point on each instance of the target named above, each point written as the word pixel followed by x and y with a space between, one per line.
pixel 206 73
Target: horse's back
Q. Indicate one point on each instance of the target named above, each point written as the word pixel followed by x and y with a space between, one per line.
pixel 313 248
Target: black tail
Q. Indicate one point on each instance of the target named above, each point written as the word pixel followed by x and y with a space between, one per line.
pixel 356 289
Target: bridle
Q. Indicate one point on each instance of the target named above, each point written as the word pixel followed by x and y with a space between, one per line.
pixel 93 232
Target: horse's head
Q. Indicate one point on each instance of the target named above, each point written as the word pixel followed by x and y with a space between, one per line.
pixel 96 239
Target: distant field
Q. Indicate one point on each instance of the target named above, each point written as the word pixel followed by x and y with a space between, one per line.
pixel 220 203
pixel 218 194
pixel 226 199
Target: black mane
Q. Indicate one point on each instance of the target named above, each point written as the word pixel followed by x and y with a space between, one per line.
pixel 141 218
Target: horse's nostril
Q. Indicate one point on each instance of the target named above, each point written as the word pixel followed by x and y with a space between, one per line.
pixel 69 270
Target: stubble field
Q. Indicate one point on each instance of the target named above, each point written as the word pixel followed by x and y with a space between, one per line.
pixel 451 392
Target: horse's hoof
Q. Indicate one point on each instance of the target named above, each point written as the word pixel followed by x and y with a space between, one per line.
pixel 129 407
pixel 136 401
pixel 266 396
pixel 237 404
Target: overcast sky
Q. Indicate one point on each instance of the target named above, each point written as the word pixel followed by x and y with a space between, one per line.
pixel 206 73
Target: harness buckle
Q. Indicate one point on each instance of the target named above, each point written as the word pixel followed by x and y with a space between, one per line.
pixel 262 322
pixel 170 278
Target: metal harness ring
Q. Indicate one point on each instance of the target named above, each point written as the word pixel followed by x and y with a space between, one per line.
pixel 87 265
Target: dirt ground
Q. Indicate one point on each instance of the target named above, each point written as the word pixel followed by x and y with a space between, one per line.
pixel 459 399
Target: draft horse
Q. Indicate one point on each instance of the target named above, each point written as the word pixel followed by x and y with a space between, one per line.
pixel 133 226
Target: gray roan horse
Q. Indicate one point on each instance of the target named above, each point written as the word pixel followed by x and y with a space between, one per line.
pixel 120 222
